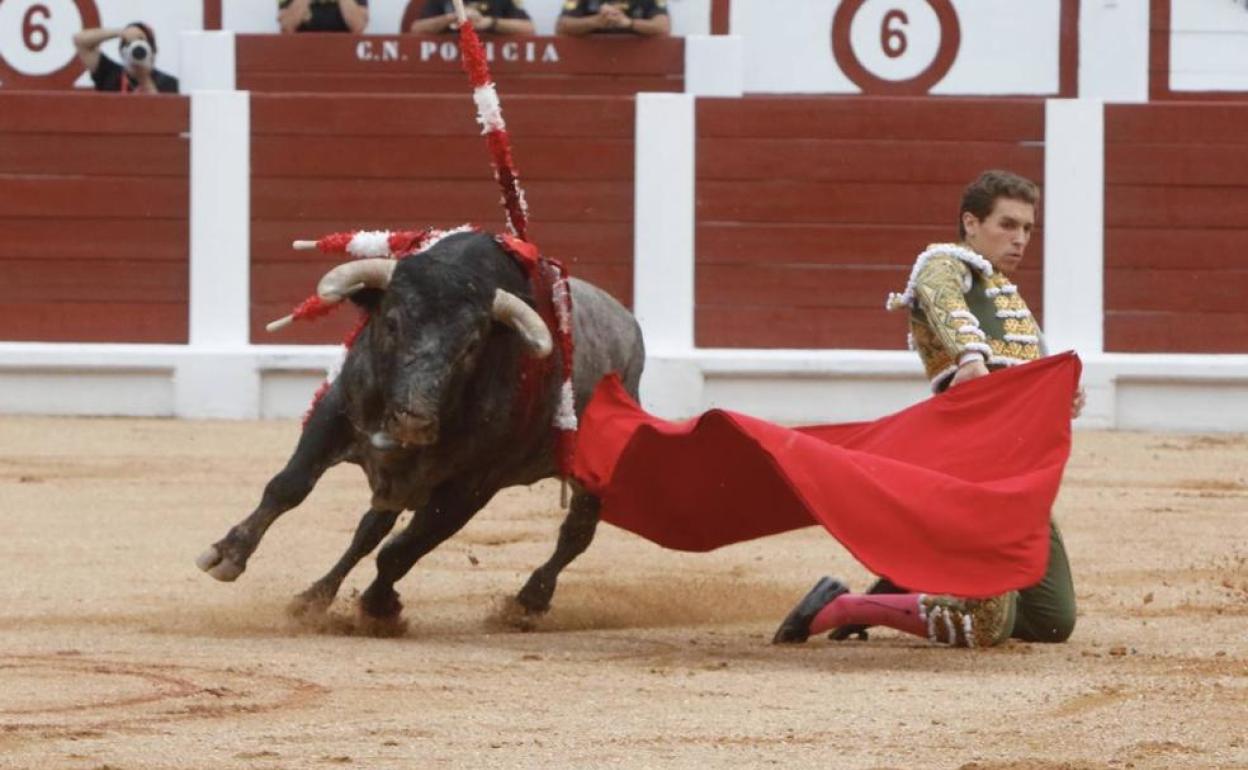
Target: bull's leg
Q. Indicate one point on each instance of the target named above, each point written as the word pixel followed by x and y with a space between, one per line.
pixel 324 441
pixel 574 537
pixel 448 510
pixel 373 526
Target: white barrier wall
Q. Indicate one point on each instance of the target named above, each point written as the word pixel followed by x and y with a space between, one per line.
pixel 1209 45
pixel 932 47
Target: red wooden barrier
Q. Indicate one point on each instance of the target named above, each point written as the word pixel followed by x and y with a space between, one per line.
pixel 1176 204
pixel 93 217
pixel 326 163
pixel 811 209
pixel 413 64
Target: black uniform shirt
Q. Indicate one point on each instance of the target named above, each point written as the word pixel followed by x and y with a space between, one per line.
pixel 498 9
pixel 326 16
pixel 636 9
pixel 111 76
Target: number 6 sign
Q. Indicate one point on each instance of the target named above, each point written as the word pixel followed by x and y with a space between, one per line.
pixel 42 55
pixel 895 40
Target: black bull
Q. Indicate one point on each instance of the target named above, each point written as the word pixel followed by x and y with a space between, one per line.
pixel 431 404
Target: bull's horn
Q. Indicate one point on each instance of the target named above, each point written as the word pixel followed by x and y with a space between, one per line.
pixel 350 277
pixel 511 310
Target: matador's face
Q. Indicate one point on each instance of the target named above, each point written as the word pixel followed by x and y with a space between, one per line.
pixel 1002 236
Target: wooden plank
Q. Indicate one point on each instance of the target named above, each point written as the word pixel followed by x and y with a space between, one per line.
pixel 80 238
pixel 93 113
pixel 446 201
pixel 860 160
pixel 817 243
pixel 818 202
pixel 437 157
pixel 1172 206
pixel 574 243
pixel 330 330
pixel 830 244
pixel 578 244
pixel 601 117
pixel 1166 248
pixel 859 117
pixel 800 286
pixel 786 327
pixel 589 85
pixel 103 155
pixel 1161 332
pixel 319 54
pixel 827 243
pixel 1176 123
pixel 71 280
pixel 94 322
pixel 819 287
pixel 1177 164
pixel 67 197
pixel 1178 291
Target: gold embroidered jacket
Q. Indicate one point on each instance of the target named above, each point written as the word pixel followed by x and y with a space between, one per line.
pixel 959 306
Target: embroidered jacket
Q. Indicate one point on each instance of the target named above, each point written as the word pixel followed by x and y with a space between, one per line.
pixel 960 307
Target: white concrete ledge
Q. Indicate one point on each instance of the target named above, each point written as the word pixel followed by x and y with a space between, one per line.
pixel 249 382
pixel 1184 393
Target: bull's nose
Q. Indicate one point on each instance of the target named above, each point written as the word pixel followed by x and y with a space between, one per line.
pixel 414 429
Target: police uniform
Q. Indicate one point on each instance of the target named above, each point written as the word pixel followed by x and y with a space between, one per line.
pixel 634 9
pixel 961 307
pixel 323 16
pixel 497 9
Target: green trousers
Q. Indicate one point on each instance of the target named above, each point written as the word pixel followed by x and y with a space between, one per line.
pixel 1046 611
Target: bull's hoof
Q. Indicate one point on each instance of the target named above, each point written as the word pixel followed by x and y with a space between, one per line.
pixel 384 626
pixel 534 598
pixel 511 615
pixel 218 565
pixel 309 604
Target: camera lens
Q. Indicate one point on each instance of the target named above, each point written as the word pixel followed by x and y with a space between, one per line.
pixel 138 52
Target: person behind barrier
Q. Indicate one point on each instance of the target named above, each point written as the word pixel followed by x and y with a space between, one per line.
pixel 639 17
pixel 500 17
pixel 322 15
pixel 137 73
pixel 967 319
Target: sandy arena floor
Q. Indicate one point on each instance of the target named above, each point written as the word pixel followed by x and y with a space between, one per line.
pixel 116 652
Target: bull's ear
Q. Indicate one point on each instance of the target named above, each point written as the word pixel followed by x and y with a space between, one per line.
pixel 368 299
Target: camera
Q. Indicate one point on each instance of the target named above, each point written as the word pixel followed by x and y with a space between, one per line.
pixel 138 54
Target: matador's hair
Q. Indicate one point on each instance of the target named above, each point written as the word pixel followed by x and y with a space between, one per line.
pixel 981 196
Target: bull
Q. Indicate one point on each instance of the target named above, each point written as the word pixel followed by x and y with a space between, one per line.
pixel 431 404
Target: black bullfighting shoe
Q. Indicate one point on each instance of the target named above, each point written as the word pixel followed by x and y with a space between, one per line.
pixel 796 627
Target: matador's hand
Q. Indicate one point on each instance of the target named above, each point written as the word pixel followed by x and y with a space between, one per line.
pixel 1076 406
pixel 972 369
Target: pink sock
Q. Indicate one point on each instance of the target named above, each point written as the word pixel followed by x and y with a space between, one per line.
pixel 899 611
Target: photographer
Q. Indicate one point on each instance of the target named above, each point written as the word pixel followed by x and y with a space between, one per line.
pixel 138 53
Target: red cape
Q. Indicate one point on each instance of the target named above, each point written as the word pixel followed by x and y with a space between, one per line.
pixel 951 495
